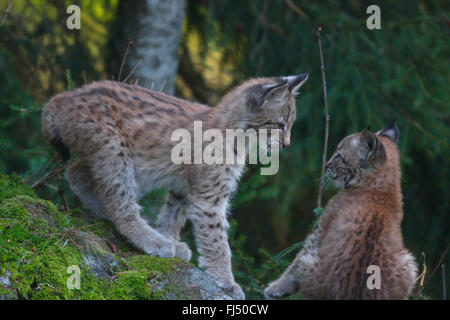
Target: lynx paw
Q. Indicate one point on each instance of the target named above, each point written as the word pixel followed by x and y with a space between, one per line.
pixel 234 290
pixel 163 249
pixel 274 291
pixel 182 251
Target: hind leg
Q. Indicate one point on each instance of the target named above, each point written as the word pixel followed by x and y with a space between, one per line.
pixel 172 219
pixel 81 182
pixel 406 274
pixel 116 186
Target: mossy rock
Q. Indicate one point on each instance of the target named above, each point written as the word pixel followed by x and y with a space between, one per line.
pixel 11 186
pixel 43 251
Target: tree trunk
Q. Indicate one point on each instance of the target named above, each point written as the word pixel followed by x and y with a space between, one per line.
pixel 155 28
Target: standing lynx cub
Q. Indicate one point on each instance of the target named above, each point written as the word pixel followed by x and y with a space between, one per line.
pixel 359 227
pixel 122 136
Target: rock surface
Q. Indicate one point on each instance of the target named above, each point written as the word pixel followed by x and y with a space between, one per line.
pixel 38 244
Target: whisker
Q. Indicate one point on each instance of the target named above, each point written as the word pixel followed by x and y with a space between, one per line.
pixel 327 181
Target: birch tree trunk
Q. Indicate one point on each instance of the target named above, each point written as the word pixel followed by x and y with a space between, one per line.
pixel 155 28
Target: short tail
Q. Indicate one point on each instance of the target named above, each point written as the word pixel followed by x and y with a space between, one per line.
pixel 51 132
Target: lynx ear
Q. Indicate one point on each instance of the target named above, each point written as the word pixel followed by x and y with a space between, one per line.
pixel 390 132
pixel 258 94
pixel 369 148
pixel 296 82
pixel 276 91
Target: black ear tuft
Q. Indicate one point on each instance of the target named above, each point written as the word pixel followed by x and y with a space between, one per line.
pixel 295 82
pixel 390 132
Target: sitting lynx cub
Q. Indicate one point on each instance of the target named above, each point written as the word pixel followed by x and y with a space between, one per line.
pixel 122 135
pixel 359 227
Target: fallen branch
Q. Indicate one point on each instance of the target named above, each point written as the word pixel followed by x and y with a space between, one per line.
pixel 58 169
pixel 327 121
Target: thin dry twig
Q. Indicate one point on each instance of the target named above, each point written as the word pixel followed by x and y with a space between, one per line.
pixel 49 176
pixel 444 288
pixel 421 276
pixel 112 247
pixel 296 9
pixel 163 84
pixel 124 59
pixel 61 194
pixel 134 69
pixel 49 162
pixel 327 121
pixel 419 291
pixel 55 154
pixel 5 13
pixel 83 74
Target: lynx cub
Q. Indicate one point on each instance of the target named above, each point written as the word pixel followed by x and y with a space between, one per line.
pixel 359 227
pixel 122 136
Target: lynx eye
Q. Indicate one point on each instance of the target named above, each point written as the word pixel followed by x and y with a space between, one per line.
pixel 280 125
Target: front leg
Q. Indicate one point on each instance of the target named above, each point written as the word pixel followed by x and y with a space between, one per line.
pixel 210 228
pixel 172 219
pixel 300 275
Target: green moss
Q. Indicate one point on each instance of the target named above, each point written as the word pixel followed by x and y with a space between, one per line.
pixel 11 186
pixel 128 284
pixel 139 277
pixel 34 213
pixel 7 294
pixel 37 246
pixel 159 265
pixel 81 221
pixel 31 248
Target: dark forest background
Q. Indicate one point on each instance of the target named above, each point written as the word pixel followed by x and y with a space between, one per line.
pixel 400 72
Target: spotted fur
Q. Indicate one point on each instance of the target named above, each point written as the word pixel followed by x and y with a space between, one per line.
pixel 122 136
pixel 359 227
